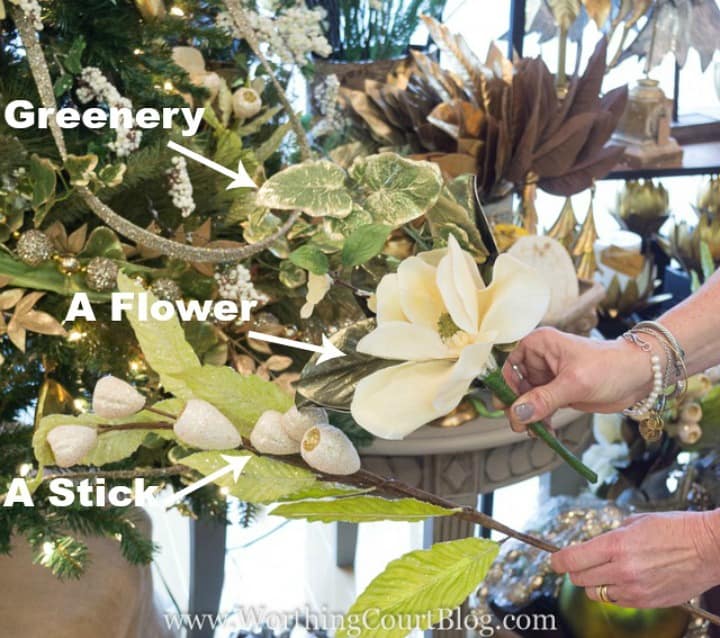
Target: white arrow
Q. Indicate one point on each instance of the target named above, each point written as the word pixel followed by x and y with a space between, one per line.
pixel 240 178
pixel 327 349
pixel 235 464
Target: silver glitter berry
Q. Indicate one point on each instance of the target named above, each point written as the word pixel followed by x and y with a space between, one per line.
pixel 101 274
pixel 34 247
pixel 166 289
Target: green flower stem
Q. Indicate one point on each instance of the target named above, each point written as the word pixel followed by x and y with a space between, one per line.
pixel 495 382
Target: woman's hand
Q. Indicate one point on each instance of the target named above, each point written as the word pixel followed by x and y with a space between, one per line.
pixel 652 560
pixel 560 370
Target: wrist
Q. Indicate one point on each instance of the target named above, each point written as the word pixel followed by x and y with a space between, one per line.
pixel 638 365
pixel 707 541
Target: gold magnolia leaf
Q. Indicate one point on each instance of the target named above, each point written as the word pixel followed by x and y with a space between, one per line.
pixel 27 302
pixel 4 279
pixel 565 12
pixel 16 333
pixel 76 240
pixel 42 323
pixel 598 10
pixel 8 298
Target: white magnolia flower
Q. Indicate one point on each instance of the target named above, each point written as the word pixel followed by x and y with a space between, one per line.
pixel 437 316
pixel 602 459
pixel 607 428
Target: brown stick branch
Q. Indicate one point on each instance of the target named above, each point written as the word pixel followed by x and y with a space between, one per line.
pixel 151 425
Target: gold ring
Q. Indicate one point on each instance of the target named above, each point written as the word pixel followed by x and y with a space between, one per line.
pixel 602 593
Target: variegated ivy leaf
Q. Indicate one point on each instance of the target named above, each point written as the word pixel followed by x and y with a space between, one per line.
pixel 316 188
pixel 397 190
pixel 423 584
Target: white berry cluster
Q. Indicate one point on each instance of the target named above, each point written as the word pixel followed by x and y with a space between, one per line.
pixel 291 34
pixel 235 284
pixel 32 11
pixel 181 189
pixel 95 86
pixel 326 95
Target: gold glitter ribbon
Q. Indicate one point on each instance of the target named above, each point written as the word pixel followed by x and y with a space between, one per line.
pixel 168 247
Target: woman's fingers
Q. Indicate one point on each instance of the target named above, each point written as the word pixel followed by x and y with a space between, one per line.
pixel 605 574
pixel 584 556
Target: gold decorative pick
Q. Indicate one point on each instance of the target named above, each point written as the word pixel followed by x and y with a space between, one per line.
pixel 584 248
pixel 528 211
pixel 565 225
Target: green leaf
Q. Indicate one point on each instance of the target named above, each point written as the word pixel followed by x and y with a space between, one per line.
pixel 112 175
pixel 43 180
pixel 73 60
pixel 316 188
pixel 694 281
pixel 62 85
pixel 364 244
pixel 163 344
pixel 241 399
pixel 310 258
pixel 362 509
pixel 103 242
pixel 397 190
pixel 706 261
pixel 263 480
pixel 422 583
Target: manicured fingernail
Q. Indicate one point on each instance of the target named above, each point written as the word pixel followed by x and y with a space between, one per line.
pixel 523 411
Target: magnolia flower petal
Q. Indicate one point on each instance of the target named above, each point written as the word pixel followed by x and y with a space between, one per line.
pixel 472 363
pixel 433 257
pixel 388 300
pixel 404 341
pixel 393 402
pixel 458 280
pixel 419 296
pixel 515 301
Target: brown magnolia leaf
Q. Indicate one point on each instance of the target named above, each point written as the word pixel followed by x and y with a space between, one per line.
pixel 586 96
pixel 57 234
pixel 447 118
pixel 263 373
pixel 583 175
pixel 556 156
pixel 8 298
pixel 278 363
pixel 76 240
pixel 4 280
pixel 371 115
pixel 598 10
pixel 17 334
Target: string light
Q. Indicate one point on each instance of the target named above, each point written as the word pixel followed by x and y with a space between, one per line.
pixel 136 366
pixel 224 491
pixel 168 86
pixel 48 549
pixel 76 335
pixel 177 11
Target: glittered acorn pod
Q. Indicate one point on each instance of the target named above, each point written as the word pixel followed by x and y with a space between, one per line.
pixel 328 449
pixel 101 274
pixel 70 444
pixel 686 241
pixel 269 435
pixel 296 421
pixel 114 398
pixel 203 426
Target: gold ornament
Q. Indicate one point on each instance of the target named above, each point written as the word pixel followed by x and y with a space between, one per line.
pixel 565 225
pixel 709 201
pixel 34 247
pixel 68 264
pixel 622 300
pixel 643 206
pixel 528 213
pixel 101 274
pixel 584 248
pixel 151 9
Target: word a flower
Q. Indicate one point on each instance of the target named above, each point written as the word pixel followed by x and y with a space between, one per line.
pixel 437 315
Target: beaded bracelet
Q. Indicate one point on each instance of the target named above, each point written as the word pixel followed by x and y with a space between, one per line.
pixel 648 412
